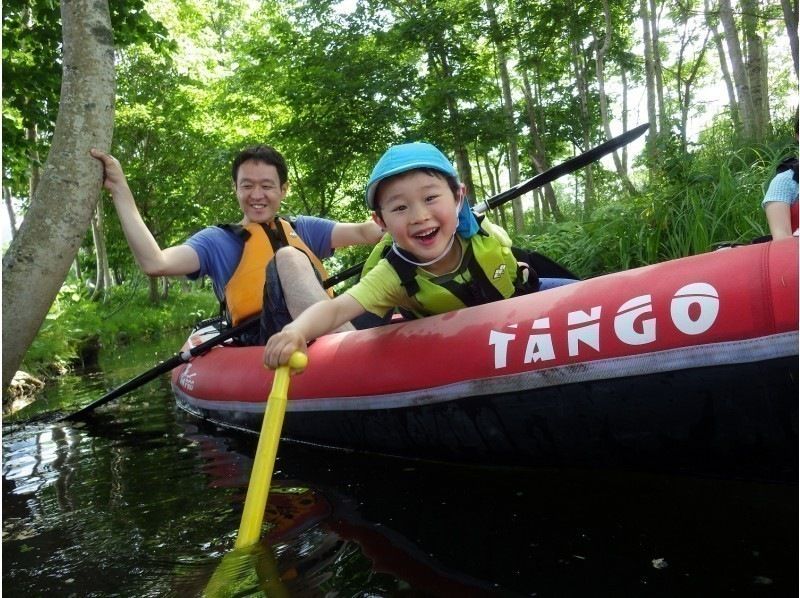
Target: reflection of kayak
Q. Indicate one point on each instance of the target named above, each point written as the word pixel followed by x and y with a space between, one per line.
pixel 315 538
pixel 688 363
pixel 292 509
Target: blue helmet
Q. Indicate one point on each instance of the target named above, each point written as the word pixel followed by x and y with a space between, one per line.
pixel 405 157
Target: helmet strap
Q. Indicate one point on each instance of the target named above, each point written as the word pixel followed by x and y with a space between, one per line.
pixel 400 253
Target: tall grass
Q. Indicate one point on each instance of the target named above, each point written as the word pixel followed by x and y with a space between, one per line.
pixel 693 204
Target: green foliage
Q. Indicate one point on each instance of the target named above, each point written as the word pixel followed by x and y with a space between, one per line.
pixel 176 161
pixel 32 73
pixel 341 86
pixel 75 320
pixel 699 201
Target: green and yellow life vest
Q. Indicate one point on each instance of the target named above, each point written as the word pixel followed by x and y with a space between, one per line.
pixel 244 293
pixel 488 272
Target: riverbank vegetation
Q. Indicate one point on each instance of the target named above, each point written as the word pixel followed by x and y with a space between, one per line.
pixel 704 201
pixel 76 327
pixel 507 89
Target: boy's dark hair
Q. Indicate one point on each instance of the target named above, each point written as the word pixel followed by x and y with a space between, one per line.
pixel 261 153
pixel 452 182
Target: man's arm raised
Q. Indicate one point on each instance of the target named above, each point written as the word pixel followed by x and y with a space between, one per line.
pixel 154 261
pixel 345 234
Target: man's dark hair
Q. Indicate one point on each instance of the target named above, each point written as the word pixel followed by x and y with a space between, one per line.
pixel 262 153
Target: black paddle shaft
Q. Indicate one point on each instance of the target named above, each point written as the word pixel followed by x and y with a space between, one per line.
pixel 161 368
pixel 343 275
pixel 566 167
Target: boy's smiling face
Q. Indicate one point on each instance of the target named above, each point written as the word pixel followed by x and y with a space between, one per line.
pixel 419 210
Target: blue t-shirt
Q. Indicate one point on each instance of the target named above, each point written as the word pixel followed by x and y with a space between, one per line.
pixel 220 250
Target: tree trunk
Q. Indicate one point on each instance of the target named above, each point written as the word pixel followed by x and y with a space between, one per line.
pixel 765 86
pixel 33 157
pixel 537 209
pixel 658 70
pixel 650 84
pixel 538 154
pixel 12 218
pixel 755 66
pixel 624 77
pixel 599 62
pixel 99 291
pixel 583 96
pixel 439 62
pixel 77 265
pixel 38 260
pixel 165 288
pixel 546 205
pixel 686 95
pixel 723 65
pixel 745 104
pixel 489 175
pixel 152 290
pixel 103 281
pixel 508 112
pixel 790 16
pixel 477 158
pixel 500 210
pixel 463 164
pixel 685 80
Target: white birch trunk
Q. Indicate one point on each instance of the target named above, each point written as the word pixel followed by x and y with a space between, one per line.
pixel 790 16
pixel 508 111
pixel 599 62
pixel 735 55
pixel 38 260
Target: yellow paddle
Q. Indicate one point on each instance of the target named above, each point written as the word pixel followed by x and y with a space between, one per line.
pixel 261 476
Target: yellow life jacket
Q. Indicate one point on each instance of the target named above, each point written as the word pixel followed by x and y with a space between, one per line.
pixel 488 272
pixel 244 293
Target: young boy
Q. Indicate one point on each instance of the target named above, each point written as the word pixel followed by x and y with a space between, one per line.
pixel 439 258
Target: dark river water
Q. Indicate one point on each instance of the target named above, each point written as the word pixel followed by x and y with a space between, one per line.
pixel 142 499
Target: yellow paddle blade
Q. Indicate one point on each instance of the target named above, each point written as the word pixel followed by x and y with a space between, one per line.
pixel 244 569
pixel 261 476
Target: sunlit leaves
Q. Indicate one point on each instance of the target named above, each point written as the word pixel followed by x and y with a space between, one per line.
pixel 32 71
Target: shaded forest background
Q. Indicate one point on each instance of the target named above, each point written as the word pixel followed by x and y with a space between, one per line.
pixel 507 88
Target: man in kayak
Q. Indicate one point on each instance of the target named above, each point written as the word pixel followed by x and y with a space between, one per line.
pixel 239 258
pixel 437 256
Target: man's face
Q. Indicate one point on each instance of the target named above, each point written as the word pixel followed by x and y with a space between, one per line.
pixel 259 191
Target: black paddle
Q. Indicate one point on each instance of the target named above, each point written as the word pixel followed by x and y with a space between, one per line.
pixel 163 367
pixel 343 275
pixel 566 167
pixel 185 356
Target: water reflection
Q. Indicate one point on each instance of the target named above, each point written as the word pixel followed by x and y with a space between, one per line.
pixel 144 500
pixel 317 539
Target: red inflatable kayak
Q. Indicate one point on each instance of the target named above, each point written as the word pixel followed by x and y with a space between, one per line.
pixel 690 363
